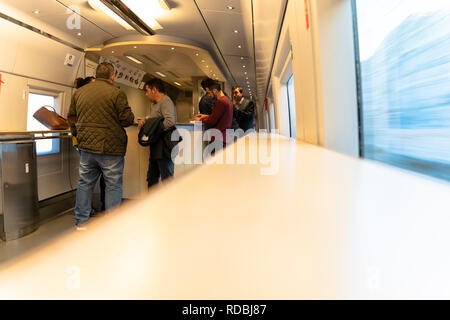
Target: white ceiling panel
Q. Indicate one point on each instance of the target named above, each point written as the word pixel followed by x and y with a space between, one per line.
pixel 220 5
pixel 222 26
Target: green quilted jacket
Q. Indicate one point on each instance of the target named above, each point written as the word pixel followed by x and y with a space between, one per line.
pixel 98 114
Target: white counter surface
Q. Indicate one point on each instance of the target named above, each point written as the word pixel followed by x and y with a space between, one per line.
pixel 326 226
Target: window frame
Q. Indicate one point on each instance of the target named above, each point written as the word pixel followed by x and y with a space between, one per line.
pixel 58 96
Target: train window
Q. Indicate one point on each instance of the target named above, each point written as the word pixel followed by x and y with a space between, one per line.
pixel 35 101
pixel 404 67
pixel 291 106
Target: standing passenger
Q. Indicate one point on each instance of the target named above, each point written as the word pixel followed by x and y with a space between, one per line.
pixel 97 117
pixel 206 104
pixel 159 166
pixel 245 109
pixel 222 116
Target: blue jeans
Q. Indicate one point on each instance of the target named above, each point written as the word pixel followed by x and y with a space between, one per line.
pixel 91 166
pixel 160 168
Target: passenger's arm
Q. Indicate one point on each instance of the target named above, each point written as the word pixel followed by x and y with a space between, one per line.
pixel 168 113
pixel 72 117
pixel 126 116
pixel 216 114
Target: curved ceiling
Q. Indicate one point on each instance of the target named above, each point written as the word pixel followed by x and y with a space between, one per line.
pixel 241 41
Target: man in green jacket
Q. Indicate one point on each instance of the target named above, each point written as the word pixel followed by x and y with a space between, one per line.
pixel 98 114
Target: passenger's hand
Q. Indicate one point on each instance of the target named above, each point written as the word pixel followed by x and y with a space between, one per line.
pixel 199 117
pixel 140 123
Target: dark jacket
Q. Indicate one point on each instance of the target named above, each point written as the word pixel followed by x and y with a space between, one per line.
pixel 206 104
pixel 160 141
pixel 245 116
pixel 98 114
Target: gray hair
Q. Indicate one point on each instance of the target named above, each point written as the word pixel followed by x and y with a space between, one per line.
pixel 104 71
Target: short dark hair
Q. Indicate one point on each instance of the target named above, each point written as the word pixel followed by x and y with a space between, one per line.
pixel 79 82
pixel 203 83
pixel 104 71
pixel 156 83
pixel 237 87
pixel 212 84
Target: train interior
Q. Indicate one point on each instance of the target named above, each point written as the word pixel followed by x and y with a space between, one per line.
pixel 342 190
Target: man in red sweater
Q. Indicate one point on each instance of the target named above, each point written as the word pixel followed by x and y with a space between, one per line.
pixel 222 113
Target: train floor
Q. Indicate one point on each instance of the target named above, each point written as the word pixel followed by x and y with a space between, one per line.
pixel 42 236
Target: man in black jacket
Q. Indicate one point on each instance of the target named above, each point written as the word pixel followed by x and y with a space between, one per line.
pixel 244 109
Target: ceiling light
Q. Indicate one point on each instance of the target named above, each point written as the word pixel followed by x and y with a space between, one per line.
pixel 239 46
pixel 196 54
pixel 147 10
pixel 230 7
pixel 134 59
pixel 79 34
pixel 161 74
pixel 207 66
pixel 135 47
pixel 242 58
pixel 235 31
pixel 178 84
pixel 36 12
pixel 172 48
pixel 98 5
pixel 245 72
pixel 203 60
pixel 112 51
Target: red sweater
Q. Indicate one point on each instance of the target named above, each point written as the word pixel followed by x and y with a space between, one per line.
pixel 221 116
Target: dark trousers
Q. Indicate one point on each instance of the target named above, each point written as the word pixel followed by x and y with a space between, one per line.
pixel 159 169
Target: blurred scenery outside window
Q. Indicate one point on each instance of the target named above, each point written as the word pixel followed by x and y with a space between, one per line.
pixel 405 80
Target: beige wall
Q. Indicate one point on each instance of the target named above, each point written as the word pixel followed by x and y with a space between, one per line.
pixel 323 64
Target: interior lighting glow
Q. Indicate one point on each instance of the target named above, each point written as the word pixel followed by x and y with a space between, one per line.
pixel 134 59
pixel 99 6
pixel 148 10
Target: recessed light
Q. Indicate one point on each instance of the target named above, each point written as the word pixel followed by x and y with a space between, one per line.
pixel 239 46
pixel 196 54
pixel 79 34
pixel 172 48
pixel 207 66
pixel 245 72
pixel 243 66
pixel 36 12
pixel 134 59
pixel 160 74
pixel 235 31
pixel 112 51
pixel 135 47
pixel 203 61
pixel 242 58
pixel 230 7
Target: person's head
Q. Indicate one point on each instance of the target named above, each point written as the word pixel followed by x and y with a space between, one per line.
pixel 105 70
pixel 203 83
pixel 237 93
pixel 79 82
pixel 213 88
pixel 155 89
pixel 89 80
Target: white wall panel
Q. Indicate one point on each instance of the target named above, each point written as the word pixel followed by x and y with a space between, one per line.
pixel 13 103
